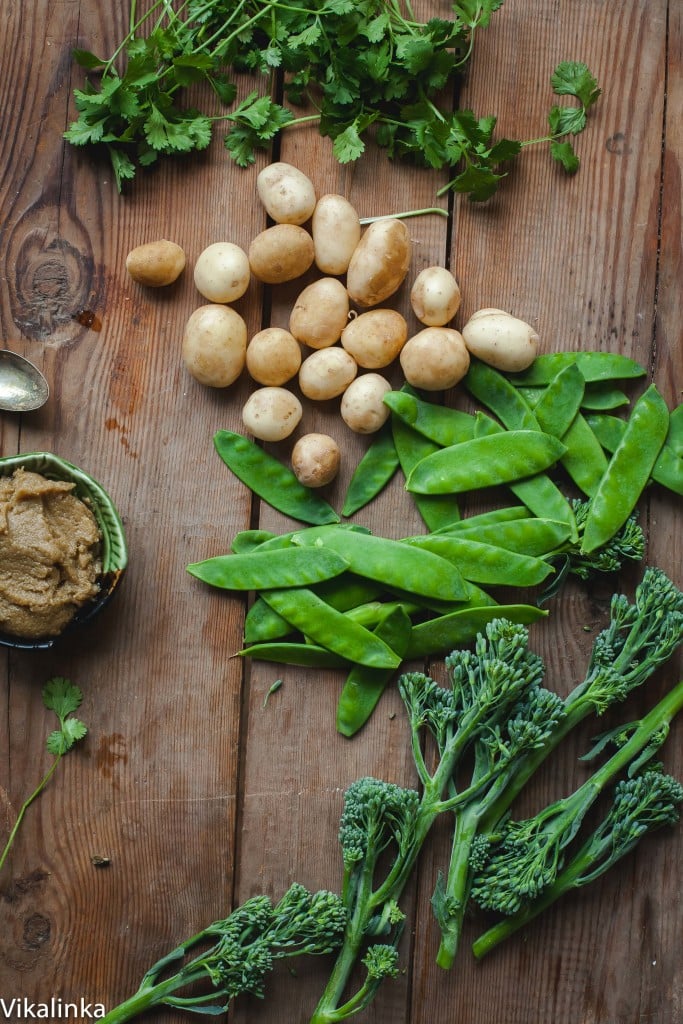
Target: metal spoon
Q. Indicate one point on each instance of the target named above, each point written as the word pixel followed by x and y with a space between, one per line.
pixel 22 385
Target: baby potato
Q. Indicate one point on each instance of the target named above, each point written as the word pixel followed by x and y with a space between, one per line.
pixel 435 359
pixel 271 414
pixel 286 193
pixel 316 459
pixel 501 340
pixel 375 338
pixel 379 263
pixel 222 272
pixel 362 406
pixel 156 264
pixel 320 313
pixel 327 373
pixel 435 296
pixel 273 356
pixel 281 253
pixel 336 232
pixel 214 345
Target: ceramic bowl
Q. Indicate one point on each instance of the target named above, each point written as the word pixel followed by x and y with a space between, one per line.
pixel 114 549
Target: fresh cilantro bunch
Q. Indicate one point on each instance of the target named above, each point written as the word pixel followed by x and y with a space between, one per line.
pixel 62 697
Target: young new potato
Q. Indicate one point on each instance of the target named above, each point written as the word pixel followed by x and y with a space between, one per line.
pixel 327 373
pixel 435 296
pixel 214 345
pixel 156 264
pixel 271 414
pixel 336 232
pixel 375 338
pixel 501 340
pixel 281 253
pixel 287 194
pixel 435 359
pixel 273 356
pixel 362 405
pixel 222 272
pixel 320 313
pixel 316 459
pixel 380 262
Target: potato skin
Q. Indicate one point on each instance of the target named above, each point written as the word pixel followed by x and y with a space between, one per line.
pixel 273 356
pixel 271 414
pixel 320 313
pixel 316 459
pixel 375 338
pixel 380 262
pixel 156 264
pixel 214 345
pixel 336 232
pixel 222 272
pixel 501 340
pixel 435 359
pixel 435 296
pixel 362 406
pixel 287 194
pixel 327 373
pixel 280 253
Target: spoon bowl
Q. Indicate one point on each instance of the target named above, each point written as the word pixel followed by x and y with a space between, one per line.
pixel 23 387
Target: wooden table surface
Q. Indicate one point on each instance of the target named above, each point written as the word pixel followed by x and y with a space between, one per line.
pixel 197 791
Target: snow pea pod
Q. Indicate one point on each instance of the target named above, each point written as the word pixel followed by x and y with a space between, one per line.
pixel 486 563
pixel 258 570
pixel 527 536
pixel 436 510
pixel 495 391
pixel 437 423
pixel 560 401
pixel 373 472
pixel 675 436
pixel 601 396
pixel 485 462
pixel 249 540
pixel 668 467
pixel 584 460
pixel 594 366
pixel 443 634
pixel 327 627
pixel 294 653
pixel 364 686
pixel 628 470
pixel 272 481
pixel 486 519
pixel 389 562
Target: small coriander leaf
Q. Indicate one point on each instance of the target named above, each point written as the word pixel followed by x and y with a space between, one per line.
pixel 61 696
pixel 348 145
pixel 573 78
pixel 564 153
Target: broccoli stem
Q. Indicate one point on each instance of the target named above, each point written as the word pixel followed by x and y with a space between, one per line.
pixel 458 882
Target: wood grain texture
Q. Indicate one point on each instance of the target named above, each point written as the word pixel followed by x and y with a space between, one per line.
pixel 197 786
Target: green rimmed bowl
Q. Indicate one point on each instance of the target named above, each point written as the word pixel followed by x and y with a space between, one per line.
pixel 114 548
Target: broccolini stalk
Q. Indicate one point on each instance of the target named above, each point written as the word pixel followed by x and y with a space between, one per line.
pixel 245 947
pixel 493 711
pixel 640 637
pixel 529 867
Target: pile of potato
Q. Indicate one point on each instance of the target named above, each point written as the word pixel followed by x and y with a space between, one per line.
pixel 340 332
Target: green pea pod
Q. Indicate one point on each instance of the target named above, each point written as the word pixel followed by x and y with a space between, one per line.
pixel 372 613
pixel 485 563
pixel 530 535
pixel 342 592
pixel 495 391
pixel 485 519
pixel 364 686
pixel 668 467
pixel 601 396
pixel 272 481
pixel 560 401
pixel 594 366
pixel 329 628
pixel 584 460
pixel 261 623
pixel 628 470
pixel 436 510
pixel 373 472
pixel 389 562
pixel 249 540
pixel 304 655
pixel 443 634
pixel 437 423
pixel 259 570
pixel 485 462
pixel 675 436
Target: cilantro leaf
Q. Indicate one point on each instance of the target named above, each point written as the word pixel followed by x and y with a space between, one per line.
pixel 572 78
pixel 564 153
pixel 348 145
pixel 62 740
pixel 61 696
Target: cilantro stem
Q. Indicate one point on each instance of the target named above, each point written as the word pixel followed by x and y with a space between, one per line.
pixel 25 806
pixel 405 213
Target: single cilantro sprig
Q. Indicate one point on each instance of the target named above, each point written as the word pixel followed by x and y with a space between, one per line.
pixel 62 697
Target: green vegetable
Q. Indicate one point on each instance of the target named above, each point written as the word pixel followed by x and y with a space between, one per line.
pixel 266 569
pixel 436 510
pixel 294 653
pixel 242 950
pixel 530 864
pixel 373 472
pixel 62 697
pixel 275 483
pixel 437 423
pixel 668 466
pixel 594 367
pixel 484 563
pixel 366 68
pixel 439 635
